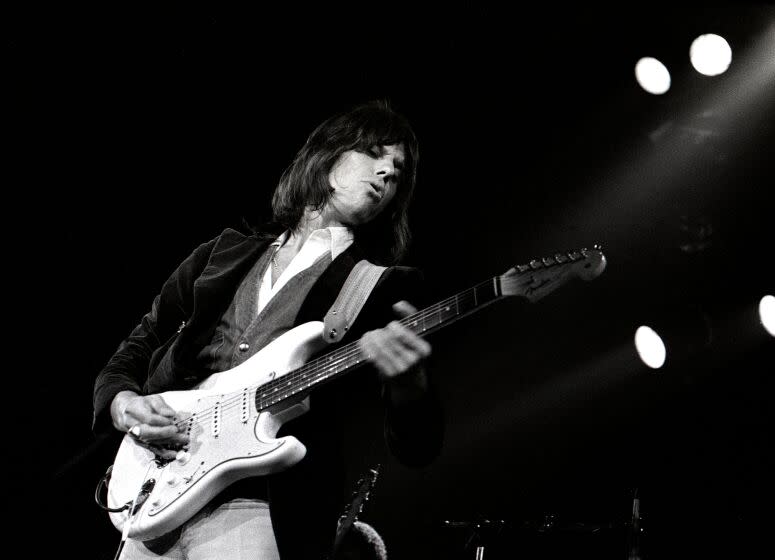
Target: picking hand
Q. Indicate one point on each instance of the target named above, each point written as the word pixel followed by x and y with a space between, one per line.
pixel 150 421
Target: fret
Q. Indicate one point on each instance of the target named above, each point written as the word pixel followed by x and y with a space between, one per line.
pixel 446 311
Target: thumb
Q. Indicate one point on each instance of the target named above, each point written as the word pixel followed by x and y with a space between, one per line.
pixel 403 308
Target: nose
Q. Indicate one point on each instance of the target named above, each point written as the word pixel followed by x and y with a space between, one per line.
pixel 385 168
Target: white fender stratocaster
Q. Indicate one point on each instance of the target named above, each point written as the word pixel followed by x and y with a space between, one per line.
pixel 232 417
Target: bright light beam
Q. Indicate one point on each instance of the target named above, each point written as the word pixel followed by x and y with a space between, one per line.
pixel 710 54
pixel 767 313
pixel 650 347
pixel 652 75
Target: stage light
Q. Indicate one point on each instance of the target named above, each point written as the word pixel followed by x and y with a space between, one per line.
pixel 674 336
pixel 710 54
pixel 767 313
pixel 650 347
pixel 652 75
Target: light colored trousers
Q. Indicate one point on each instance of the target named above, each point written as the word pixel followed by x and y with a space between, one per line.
pixel 239 529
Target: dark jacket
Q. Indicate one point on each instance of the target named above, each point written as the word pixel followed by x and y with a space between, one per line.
pixel 161 355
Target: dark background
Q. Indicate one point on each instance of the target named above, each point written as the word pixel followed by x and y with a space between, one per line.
pixel 138 131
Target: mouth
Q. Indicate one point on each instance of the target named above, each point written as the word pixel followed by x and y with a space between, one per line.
pixel 377 190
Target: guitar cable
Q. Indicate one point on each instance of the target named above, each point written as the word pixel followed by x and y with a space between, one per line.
pixel 103 484
pixel 134 506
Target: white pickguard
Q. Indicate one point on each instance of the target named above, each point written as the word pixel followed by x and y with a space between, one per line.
pixel 229 439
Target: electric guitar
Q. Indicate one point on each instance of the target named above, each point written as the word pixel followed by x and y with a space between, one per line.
pixel 232 417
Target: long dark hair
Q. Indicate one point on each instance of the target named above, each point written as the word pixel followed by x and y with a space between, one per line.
pixel 305 182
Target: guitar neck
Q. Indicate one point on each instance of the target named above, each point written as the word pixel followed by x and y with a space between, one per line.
pixel 532 281
pixel 456 307
pixel 348 357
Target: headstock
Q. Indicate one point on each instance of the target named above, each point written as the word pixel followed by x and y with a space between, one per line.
pixel 540 277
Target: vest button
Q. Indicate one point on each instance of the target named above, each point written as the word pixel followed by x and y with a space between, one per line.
pixel 244 347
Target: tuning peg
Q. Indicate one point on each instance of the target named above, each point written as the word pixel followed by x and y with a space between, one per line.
pixel 574 255
pixel 595 247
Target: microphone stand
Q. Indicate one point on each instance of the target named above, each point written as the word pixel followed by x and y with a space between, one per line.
pixel 634 534
pixel 481 533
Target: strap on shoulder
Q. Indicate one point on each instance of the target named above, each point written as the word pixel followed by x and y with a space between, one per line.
pixel 354 293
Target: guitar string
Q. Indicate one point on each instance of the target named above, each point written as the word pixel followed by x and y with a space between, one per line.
pixel 299 379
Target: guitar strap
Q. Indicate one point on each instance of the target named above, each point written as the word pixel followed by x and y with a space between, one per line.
pixel 354 293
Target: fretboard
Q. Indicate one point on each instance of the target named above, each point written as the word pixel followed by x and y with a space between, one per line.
pixel 348 357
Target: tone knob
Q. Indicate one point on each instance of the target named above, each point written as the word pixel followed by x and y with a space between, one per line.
pixel 182 457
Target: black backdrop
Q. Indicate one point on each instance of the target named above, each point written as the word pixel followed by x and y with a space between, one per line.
pixel 137 132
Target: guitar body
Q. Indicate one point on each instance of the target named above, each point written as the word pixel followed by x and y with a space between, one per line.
pixel 229 440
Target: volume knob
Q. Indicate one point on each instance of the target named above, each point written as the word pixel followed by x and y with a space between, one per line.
pixel 182 457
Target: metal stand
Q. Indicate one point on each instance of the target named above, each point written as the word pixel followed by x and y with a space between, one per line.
pixel 635 530
pixel 482 533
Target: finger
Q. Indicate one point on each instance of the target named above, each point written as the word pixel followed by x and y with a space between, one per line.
pixel 409 339
pixel 162 452
pixel 368 345
pixel 154 419
pixel 159 435
pixel 399 339
pixel 168 434
pixel 397 361
pixel 159 406
pixel 158 413
pixel 373 350
pixel 141 410
pixel 388 354
pixel 403 308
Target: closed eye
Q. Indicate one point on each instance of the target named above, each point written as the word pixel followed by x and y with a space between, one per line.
pixel 377 152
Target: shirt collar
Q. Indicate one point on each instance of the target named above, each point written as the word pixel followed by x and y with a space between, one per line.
pixel 337 238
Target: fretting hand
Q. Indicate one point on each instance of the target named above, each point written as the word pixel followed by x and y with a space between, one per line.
pixel 398 354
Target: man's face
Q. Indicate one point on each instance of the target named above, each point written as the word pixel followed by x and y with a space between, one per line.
pixel 364 183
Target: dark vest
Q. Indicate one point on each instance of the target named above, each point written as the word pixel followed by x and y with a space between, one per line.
pixel 242 331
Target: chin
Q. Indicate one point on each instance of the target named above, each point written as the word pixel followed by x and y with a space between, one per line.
pixel 364 217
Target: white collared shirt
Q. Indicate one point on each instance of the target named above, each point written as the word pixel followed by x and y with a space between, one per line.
pixel 334 239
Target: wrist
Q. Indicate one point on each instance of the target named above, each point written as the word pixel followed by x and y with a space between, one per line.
pixel 118 409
